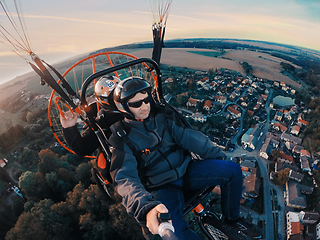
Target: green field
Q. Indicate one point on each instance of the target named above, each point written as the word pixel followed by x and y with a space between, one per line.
pixel 207 53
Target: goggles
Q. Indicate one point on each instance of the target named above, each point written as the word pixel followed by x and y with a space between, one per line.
pixel 138 104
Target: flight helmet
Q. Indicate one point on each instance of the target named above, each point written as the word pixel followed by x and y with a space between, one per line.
pixel 126 90
pixel 103 90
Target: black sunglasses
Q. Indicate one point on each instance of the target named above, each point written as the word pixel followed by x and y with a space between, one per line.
pixel 138 104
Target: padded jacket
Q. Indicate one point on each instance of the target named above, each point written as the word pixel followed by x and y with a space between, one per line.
pixel 87 142
pixel 162 131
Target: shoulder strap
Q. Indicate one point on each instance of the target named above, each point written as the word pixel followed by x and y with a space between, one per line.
pixel 122 131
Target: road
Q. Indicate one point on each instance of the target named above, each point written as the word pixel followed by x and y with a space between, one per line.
pixel 268 188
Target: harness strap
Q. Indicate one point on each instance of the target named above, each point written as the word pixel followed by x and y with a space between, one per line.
pixel 164 155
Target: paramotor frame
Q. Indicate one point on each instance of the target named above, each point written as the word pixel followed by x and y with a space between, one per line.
pixel 75 76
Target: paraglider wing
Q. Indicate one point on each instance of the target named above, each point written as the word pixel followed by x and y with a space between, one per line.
pixel 160 11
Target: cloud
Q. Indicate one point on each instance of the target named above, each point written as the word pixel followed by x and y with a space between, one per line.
pixel 126 25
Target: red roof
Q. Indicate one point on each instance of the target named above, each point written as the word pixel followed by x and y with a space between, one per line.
pixel 285 156
pixel 208 103
pixel 234 111
pixel 303 122
pixel 305 153
pixel 250 112
pixel 192 101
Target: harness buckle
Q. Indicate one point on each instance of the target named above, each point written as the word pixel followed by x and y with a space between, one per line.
pixel 121 133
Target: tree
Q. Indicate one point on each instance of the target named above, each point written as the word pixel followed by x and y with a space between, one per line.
pixel 247 68
pixel 282 177
pixel 275 155
pixel 17 206
pixel 182 99
pixel 83 174
pixel 49 161
pixel 119 220
pixel 40 223
pixel 4 176
pixel 34 185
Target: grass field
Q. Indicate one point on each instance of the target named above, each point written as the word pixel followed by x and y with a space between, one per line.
pixel 207 53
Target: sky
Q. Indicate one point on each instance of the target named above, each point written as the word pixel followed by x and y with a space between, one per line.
pixel 61 29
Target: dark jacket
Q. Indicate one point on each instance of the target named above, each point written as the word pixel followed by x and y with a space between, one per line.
pixel 87 142
pixel 158 130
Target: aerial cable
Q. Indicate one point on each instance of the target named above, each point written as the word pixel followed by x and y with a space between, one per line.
pixel 20 43
pixel 24 45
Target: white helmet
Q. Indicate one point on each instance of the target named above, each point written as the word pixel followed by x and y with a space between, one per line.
pixel 104 90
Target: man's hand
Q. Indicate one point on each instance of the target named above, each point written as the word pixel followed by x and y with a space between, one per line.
pixel 69 119
pixel 152 220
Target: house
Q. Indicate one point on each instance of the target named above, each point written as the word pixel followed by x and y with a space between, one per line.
pixel 294 110
pixel 287 115
pixel 260 100
pixel 168 97
pixel 206 86
pixel 308 217
pixel 305 166
pixel 168 80
pixel 256 107
pixel 234 113
pixel 254 85
pixel 285 88
pixel 264 97
pixel 207 105
pixel 278 116
pixel 293 195
pixel 213 84
pixel 219 142
pixel 247 165
pixel 295 130
pixel 2 163
pixel 282 165
pixel 250 138
pixel 303 122
pixel 250 112
pixel 289 138
pixel 305 153
pixel 221 99
pixel 297 149
pixel 267 147
pixel 252 184
pixel 244 103
pixel 300 116
pixel 294 227
pixel 192 102
pixel 279 126
pixel 271 105
pixel 285 158
pixel 199 117
pixel 296 176
pixel 233 95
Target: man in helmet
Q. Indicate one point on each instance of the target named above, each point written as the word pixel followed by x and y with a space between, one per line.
pixel 150 162
pixel 87 143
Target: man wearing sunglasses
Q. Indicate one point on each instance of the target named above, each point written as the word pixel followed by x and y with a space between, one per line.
pixel 151 165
